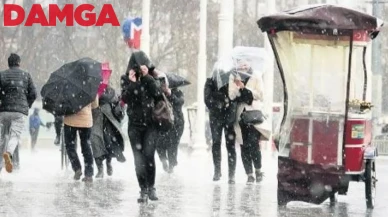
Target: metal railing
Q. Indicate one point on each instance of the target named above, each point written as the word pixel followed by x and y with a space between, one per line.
pixel 381 142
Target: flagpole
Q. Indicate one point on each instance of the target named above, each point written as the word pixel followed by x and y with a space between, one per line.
pixel 200 141
pixel 145 35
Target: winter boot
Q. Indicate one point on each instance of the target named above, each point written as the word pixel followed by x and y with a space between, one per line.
pixel 259 175
pixel 87 179
pixel 57 140
pixel 165 165
pixel 251 179
pixel 171 169
pixel 78 174
pixel 100 173
pixel 231 180
pixel 152 194
pixel 109 168
pixel 143 196
pixel 217 176
pixel 8 162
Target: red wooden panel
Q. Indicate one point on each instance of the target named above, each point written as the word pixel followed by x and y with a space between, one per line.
pixel 354 159
pixel 300 131
pixel 299 153
pixel 325 142
pixel 299 134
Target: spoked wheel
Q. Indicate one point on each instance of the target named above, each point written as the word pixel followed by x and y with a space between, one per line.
pixel 370 183
pixel 333 199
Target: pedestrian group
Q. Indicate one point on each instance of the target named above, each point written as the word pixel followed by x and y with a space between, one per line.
pixel 155 121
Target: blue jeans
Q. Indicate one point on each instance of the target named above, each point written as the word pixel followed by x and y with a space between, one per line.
pixel 71 148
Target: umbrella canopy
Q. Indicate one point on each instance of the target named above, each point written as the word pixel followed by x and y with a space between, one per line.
pixel 72 87
pixel 175 81
pixel 241 62
pixel 320 17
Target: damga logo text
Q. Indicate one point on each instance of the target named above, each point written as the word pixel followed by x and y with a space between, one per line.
pixel 83 15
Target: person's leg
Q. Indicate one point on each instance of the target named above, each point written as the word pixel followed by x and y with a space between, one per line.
pixel 230 138
pixel 109 168
pixel 100 167
pixel 216 129
pixel 161 149
pixel 173 151
pixel 136 139
pixel 149 153
pixel 245 152
pixel 15 130
pixel 253 140
pixel 17 122
pixel 84 134
pixel 34 137
pixel 58 123
pixel 3 138
pixel 70 139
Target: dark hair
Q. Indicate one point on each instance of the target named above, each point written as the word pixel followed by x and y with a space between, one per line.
pixel 14 60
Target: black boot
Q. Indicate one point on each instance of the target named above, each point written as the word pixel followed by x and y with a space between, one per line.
pixel 100 173
pixel 100 168
pixel 217 174
pixel 165 165
pixel 57 140
pixel 152 194
pixel 143 196
pixel 109 168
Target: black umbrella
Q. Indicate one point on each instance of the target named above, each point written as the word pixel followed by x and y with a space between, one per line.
pixel 175 81
pixel 72 87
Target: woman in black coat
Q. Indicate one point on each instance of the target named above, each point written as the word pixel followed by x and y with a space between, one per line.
pixel 168 147
pixel 106 136
pixel 141 92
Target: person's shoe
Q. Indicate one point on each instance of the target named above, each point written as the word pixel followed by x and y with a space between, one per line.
pixel 87 179
pixel 57 140
pixel 121 158
pixel 217 176
pixel 171 169
pixel 152 194
pixel 259 176
pixel 100 173
pixel 251 180
pixel 231 180
pixel 143 197
pixel 8 162
pixel 78 174
pixel 109 169
pixel 165 165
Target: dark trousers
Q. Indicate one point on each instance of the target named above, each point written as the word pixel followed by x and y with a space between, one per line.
pixel 217 126
pixel 168 147
pixel 58 123
pixel 71 148
pixel 250 149
pixel 99 160
pixel 142 141
pixel 34 132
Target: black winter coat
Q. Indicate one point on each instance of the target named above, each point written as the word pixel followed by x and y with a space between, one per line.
pixel 17 91
pixel 218 102
pixel 177 100
pixel 140 97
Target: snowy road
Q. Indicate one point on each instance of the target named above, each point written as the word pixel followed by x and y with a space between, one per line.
pixel 41 189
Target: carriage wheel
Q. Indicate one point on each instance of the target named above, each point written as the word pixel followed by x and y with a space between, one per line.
pixel 283 198
pixel 333 199
pixel 370 183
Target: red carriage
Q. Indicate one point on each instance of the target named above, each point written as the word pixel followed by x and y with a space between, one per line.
pixel 325 138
